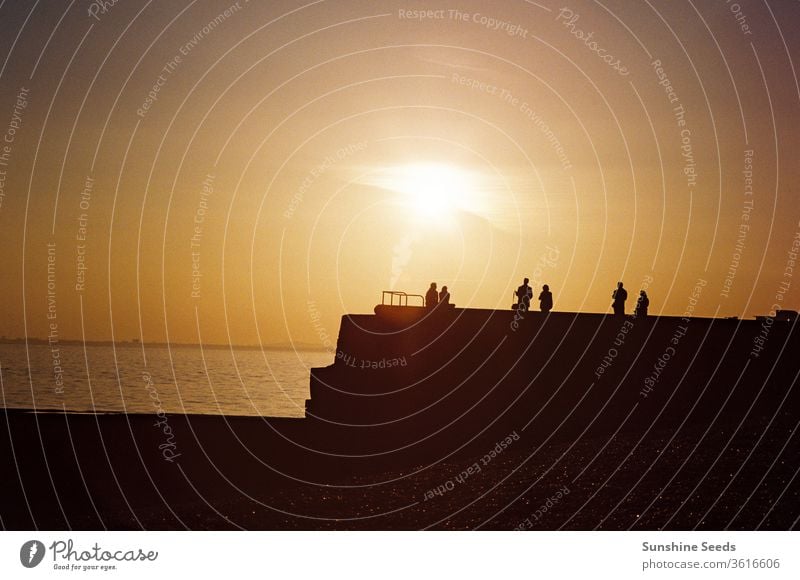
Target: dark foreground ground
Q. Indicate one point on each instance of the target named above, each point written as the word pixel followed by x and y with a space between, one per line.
pixel 652 487
pixel 722 479
pixel 485 425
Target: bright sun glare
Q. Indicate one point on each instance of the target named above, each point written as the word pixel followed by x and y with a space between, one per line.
pixel 434 193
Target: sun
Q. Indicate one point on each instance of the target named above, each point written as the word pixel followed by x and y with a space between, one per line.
pixel 434 193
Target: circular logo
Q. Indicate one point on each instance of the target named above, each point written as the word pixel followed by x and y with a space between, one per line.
pixel 31 553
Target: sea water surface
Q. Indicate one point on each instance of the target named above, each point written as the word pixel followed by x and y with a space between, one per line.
pixel 177 379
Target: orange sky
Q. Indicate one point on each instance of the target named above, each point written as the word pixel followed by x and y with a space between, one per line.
pixel 302 157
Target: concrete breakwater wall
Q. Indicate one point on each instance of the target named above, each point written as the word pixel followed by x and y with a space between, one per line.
pixel 468 375
pixel 466 389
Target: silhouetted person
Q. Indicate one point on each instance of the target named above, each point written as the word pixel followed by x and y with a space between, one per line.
pixel 524 295
pixel 432 296
pixel 642 304
pixel 444 296
pixel 620 295
pixel 545 299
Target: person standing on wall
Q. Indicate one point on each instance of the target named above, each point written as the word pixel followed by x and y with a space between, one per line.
pixel 620 295
pixel 431 296
pixel 642 304
pixel 444 296
pixel 524 295
pixel 545 299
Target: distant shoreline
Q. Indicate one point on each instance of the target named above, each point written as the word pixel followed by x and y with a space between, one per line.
pixel 128 344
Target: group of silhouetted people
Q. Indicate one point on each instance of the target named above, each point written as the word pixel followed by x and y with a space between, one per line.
pixel 434 298
pixel 525 294
pixel 620 295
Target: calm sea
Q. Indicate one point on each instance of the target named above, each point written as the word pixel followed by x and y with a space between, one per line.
pixel 177 379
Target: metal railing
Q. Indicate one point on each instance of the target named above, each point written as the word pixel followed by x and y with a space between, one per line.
pixel 402 298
